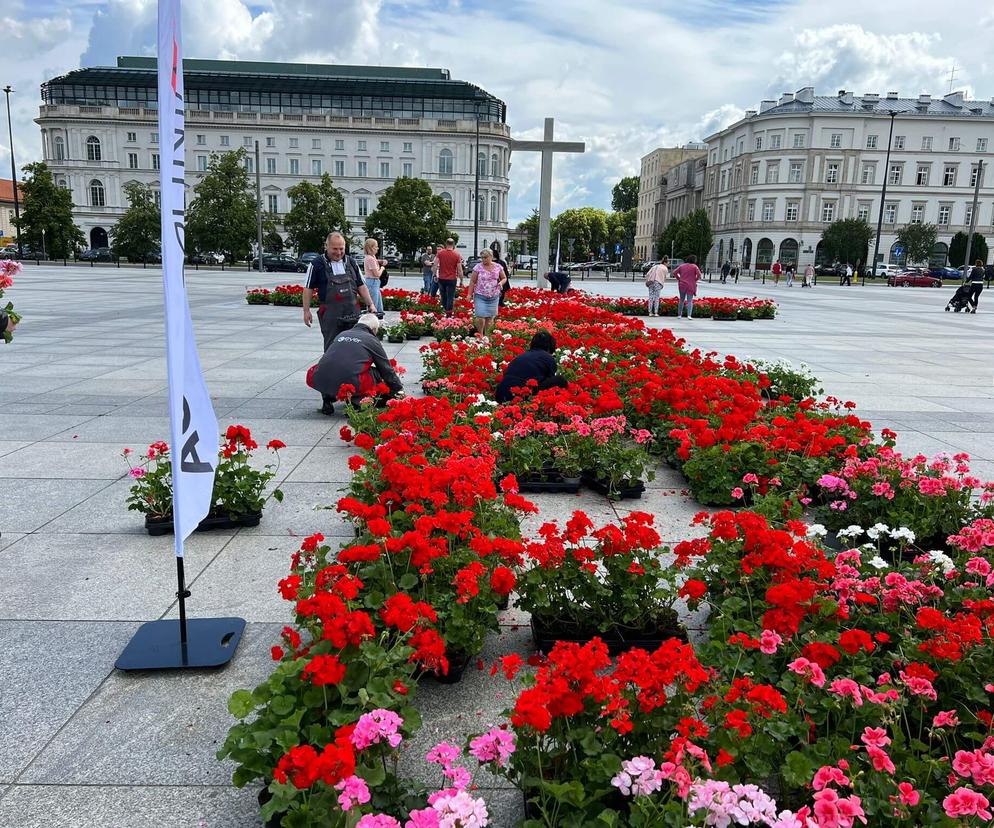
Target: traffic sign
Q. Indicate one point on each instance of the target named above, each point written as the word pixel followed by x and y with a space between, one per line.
pixel 898 252
pixel 617 248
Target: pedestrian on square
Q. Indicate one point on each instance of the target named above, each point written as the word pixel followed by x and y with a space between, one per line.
pixel 372 271
pixel 976 284
pixel 726 268
pixel 485 284
pixel 448 266
pixel 427 269
pixel 355 358
pixel 434 272
pixel 335 281
pixel 654 280
pixel 687 276
pixel 777 269
pixel 495 248
pixel 790 275
pixel 809 276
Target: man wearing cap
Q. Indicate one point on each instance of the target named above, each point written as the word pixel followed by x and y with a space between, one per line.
pixel 355 358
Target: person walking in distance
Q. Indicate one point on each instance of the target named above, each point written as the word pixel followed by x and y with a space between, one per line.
pixel 427 269
pixel 809 276
pixel 449 265
pixel 726 268
pixel 976 279
pixel 335 281
pixel 687 276
pixel 434 272
pixel 654 280
pixel 372 271
pixel 776 270
pixel 845 279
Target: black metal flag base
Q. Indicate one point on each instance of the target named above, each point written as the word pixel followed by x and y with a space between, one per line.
pixel 210 642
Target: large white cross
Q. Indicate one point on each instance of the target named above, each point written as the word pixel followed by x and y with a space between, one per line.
pixel 547 147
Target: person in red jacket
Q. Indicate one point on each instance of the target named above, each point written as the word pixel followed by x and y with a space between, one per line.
pixel 777 269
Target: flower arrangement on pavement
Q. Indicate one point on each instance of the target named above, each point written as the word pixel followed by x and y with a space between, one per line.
pixel 8 270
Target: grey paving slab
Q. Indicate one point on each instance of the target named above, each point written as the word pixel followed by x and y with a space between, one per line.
pixel 9 538
pixel 27 505
pixel 97 577
pixel 70 460
pixel 50 668
pixel 306 508
pixel 123 806
pixel 323 464
pixel 155 728
pixel 672 510
pixel 7 446
pixel 36 426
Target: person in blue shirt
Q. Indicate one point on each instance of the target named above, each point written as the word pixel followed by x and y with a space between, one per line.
pixel 537 363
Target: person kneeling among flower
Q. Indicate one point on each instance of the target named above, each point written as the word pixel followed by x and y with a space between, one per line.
pixel 537 363
pixel 356 359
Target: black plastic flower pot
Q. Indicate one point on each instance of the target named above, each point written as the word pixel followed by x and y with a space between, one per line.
pixel 546 633
pixel 624 490
pixel 164 525
pixel 458 663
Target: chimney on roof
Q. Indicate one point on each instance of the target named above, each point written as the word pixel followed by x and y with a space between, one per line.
pixel 750 113
pixel 846 98
pixel 924 99
pixel 954 98
pixel 764 105
pixel 785 98
pixel 805 94
pixel 870 97
pixel 892 96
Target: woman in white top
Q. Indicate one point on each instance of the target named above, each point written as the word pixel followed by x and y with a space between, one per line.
pixel 654 280
pixel 372 271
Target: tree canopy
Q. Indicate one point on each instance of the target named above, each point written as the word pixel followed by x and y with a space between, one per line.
pixel 318 209
pixel 689 236
pixel 625 194
pixel 222 215
pixel 138 232
pixel 846 240
pixel 957 249
pixel 409 216
pixel 46 214
pixel 530 226
pixel 917 241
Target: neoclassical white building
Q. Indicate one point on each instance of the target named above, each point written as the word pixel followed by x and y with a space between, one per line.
pixel 780 175
pixel 366 126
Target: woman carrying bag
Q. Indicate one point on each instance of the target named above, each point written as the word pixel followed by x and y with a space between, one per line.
pixel 654 280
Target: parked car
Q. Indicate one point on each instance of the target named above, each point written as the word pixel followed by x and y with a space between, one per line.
pixel 914 278
pixel 469 264
pixel 603 267
pixel 647 266
pixel 945 273
pixel 829 270
pixel 393 262
pixel 884 269
pixel 155 257
pixel 95 254
pixel 305 259
pixel 278 262
pixel 206 258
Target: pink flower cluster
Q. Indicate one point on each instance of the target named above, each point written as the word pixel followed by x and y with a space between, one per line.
pixel 495 745
pixel 445 755
pixel 727 804
pixel 377 726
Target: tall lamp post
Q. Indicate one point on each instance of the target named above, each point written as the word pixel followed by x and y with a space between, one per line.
pixel 13 174
pixel 476 188
pixel 883 197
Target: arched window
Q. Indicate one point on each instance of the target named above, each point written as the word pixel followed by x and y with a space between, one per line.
pixel 447 198
pixel 940 253
pixel 788 252
pixel 764 254
pixel 747 253
pixel 93 148
pixel 96 193
pixel 481 164
pixel 494 165
pixel 59 147
pixel 445 162
pixel 493 208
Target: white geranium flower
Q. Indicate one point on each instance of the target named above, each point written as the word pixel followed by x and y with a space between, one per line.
pixel 877 530
pixel 816 530
pixel 850 531
pixel 942 560
pixel 903 533
pixel 877 562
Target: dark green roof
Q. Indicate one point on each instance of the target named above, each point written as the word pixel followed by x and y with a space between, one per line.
pixel 319 70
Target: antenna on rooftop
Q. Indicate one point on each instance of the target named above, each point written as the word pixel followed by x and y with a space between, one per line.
pixel 952 75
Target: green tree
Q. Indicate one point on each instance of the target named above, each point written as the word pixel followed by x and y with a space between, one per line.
pixel 138 232
pixel 530 226
pixel 222 215
pixel 46 214
pixel 957 249
pixel 625 194
pixel 572 224
pixel 409 216
pixel 318 209
pixel 597 221
pixel 621 226
pixel 666 240
pixel 272 241
pixel 846 240
pixel 694 236
pixel 917 241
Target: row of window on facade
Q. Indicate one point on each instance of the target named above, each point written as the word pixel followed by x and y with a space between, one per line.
pixel 446 160
pixel 787 254
pixel 98 198
pixel 799 141
pixel 728 214
pixel 868 174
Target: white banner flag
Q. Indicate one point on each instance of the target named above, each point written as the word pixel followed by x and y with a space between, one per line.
pixel 194 445
pixel 558 239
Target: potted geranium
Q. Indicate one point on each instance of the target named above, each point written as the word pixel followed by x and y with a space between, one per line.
pixel 8 270
pixel 583 582
pixel 396 332
pixel 238 496
pixel 616 458
pixel 258 296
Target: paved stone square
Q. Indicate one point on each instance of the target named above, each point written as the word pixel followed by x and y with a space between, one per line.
pixel 84 746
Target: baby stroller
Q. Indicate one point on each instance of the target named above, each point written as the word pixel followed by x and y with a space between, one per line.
pixel 961 298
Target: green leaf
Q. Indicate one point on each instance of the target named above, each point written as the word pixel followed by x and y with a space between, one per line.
pixel 278 495
pixel 798 770
pixel 240 704
pixel 407 581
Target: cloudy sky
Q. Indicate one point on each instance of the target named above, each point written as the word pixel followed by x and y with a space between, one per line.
pixel 625 76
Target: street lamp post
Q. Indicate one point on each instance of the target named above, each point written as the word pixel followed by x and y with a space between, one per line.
pixel 476 189
pixel 13 174
pixel 883 197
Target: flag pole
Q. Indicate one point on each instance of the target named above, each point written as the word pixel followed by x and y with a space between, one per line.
pixel 203 642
